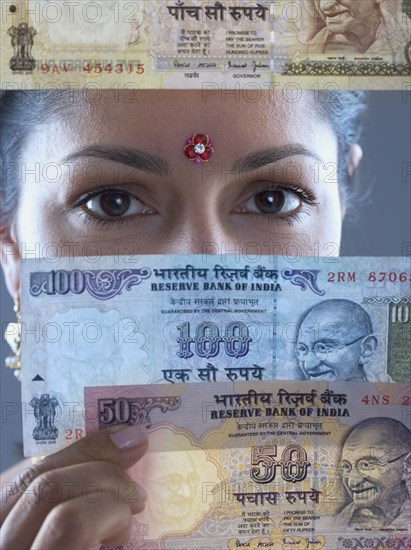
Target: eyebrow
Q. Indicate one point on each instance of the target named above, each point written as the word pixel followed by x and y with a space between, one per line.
pixel 263 157
pixel 136 158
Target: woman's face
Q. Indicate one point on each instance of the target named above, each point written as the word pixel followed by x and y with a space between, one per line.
pixel 91 184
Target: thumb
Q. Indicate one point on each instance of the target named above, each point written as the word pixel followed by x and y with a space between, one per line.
pixel 123 445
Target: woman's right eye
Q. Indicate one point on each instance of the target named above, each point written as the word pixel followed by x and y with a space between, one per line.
pixel 112 204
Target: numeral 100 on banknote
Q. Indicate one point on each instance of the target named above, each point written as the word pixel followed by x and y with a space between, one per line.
pixel 207 339
pixel 400 313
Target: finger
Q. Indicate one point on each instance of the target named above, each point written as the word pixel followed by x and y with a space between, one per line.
pixel 123 445
pixel 85 481
pixel 81 525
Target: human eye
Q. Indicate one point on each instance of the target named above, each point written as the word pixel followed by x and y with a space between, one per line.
pixel 321 347
pixel 192 480
pixel 365 465
pixel 284 202
pixel 111 205
pixel 301 348
pixel 172 483
pixel 345 468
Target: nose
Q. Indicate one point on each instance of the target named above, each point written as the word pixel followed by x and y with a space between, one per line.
pixel 184 490
pixel 198 228
pixel 328 6
pixel 354 477
pixel 195 239
pixel 311 360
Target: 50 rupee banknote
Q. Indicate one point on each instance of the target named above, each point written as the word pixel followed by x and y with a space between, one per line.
pixel 280 465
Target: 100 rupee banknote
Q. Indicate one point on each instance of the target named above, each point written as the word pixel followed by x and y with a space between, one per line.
pixel 280 465
pixel 204 45
pixel 179 319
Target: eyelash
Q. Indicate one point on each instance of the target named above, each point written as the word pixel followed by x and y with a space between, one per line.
pixel 104 224
pixel 91 220
pixel 306 196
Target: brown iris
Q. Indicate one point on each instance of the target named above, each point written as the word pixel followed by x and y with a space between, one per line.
pixel 270 202
pixel 115 203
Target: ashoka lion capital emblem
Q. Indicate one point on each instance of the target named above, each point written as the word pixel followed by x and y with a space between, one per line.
pixel 45 412
pixel 22 42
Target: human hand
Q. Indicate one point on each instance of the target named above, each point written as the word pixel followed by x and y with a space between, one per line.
pixel 77 497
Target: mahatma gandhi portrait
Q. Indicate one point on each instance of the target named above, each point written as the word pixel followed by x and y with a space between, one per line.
pixel 375 467
pixel 174 479
pixel 335 341
pixel 370 27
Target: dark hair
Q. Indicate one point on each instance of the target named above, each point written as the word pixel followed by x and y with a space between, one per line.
pixel 22 111
pixel 345 111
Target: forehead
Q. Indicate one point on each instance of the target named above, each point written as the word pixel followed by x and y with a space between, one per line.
pixel 356 3
pixel 369 440
pixel 326 322
pixel 178 463
pixel 162 120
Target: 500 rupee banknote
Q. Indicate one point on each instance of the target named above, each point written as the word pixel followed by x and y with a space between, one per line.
pixel 267 464
pixel 180 319
pixel 204 45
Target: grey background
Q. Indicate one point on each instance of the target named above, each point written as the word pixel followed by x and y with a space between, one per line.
pixel 382 228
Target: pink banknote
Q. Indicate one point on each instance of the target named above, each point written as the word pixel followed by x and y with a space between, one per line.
pixel 280 465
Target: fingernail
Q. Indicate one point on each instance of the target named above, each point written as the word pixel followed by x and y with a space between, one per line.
pixel 129 437
pixel 141 492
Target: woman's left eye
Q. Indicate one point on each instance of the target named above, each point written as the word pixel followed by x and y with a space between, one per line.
pixel 112 204
pixel 273 201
